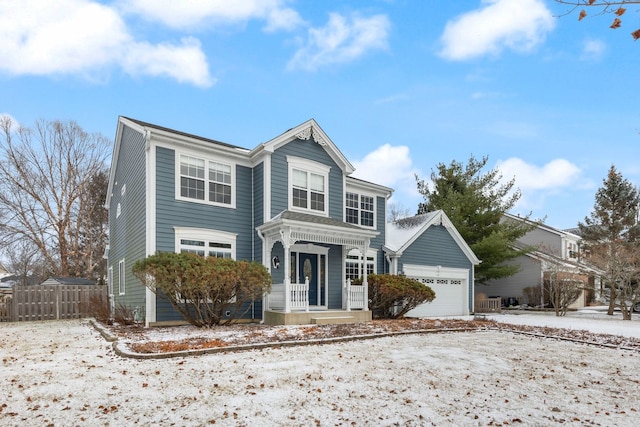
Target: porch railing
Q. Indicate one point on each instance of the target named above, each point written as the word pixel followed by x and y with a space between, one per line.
pixel 298 297
pixel 353 296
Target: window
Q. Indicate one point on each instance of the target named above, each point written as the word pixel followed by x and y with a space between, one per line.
pixel 308 190
pixel 308 185
pixel 205 242
pixel 121 277
pixel 205 180
pixel 359 209
pixel 354 264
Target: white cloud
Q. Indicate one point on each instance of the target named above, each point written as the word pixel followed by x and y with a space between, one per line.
pixel 343 39
pixel 556 174
pixel 85 37
pixel 542 187
pixel 519 25
pixel 593 49
pixel 179 14
pixel 391 166
pixel 169 60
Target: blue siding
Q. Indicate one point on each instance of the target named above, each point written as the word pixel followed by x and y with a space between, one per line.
pixel 378 242
pixel 280 176
pixel 127 231
pixel 436 247
pixel 258 208
pixel 172 213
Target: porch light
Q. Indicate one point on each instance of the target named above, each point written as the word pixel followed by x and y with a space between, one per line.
pixel 275 262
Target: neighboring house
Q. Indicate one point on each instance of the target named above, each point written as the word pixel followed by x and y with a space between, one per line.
pixel 428 248
pixel 68 281
pixel 3 271
pixel 289 203
pixel 557 251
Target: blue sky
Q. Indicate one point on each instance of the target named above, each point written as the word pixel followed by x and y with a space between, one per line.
pixel 398 85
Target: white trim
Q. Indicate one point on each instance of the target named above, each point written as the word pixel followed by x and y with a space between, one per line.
pixel 310 167
pixel 205 234
pixel 150 220
pixel 310 248
pixel 207 160
pixel 359 208
pixel 318 134
pixel 435 271
pixel 266 187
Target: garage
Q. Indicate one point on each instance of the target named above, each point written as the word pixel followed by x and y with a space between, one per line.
pixel 449 284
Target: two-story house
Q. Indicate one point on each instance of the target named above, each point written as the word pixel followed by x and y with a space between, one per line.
pixel 555 251
pixel 289 203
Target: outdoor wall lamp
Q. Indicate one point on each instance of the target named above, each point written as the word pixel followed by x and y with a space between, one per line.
pixel 275 262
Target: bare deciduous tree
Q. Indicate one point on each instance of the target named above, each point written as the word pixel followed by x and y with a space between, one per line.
pixel 46 178
pixel 602 7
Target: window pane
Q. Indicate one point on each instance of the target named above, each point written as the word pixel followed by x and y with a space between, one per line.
pixel 366 203
pixel 299 179
pixel 299 198
pixel 366 219
pixel 220 193
pixel 192 167
pixel 219 172
pixel 351 200
pixel 317 183
pixel 317 202
pixel 191 188
pixel 352 216
pixel 191 242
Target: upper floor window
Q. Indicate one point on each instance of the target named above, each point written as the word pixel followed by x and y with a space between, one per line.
pixel 308 185
pixel 205 180
pixel 359 209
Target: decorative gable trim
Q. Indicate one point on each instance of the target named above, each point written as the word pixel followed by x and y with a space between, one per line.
pixel 309 130
pixel 309 133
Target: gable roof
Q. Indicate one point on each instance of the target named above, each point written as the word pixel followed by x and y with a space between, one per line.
pixel 545 227
pixel 68 281
pixel 402 233
pixel 305 131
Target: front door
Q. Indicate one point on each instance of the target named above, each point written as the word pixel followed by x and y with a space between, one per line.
pixel 308 268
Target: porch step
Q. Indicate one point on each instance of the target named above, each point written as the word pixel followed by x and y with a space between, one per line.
pixel 332 320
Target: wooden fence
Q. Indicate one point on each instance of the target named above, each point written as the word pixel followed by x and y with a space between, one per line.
pixel 49 302
pixel 488 305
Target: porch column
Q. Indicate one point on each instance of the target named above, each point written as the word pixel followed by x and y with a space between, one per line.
pixel 364 250
pixel 286 243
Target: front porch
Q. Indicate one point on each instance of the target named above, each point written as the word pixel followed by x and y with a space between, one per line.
pixel 292 307
pixel 306 255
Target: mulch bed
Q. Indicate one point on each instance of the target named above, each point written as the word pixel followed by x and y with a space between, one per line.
pixel 186 338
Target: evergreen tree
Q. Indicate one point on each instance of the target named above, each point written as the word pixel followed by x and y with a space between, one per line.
pixel 611 230
pixel 476 202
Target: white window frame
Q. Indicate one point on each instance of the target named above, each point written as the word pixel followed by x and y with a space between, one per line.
pixel 122 277
pixel 310 167
pixel 359 208
pixel 208 161
pixel 371 260
pixel 204 235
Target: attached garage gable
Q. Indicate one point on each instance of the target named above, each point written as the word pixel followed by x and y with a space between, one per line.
pixel 429 249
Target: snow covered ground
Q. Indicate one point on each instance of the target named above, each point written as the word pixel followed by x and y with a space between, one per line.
pixel 64 373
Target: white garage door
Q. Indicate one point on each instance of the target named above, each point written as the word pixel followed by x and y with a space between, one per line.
pixel 449 284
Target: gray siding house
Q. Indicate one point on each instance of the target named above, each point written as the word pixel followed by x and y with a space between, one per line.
pixel 289 203
pixel 555 251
